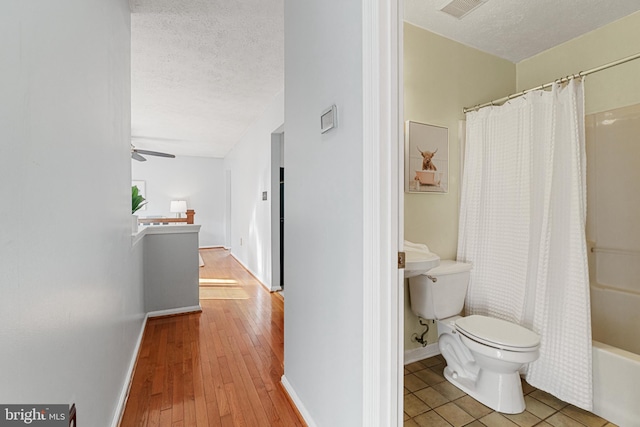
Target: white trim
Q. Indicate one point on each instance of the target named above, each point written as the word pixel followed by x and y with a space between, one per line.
pixel 211 247
pixel 421 353
pixel 270 289
pixel 398 58
pixel 297 402
pixel 126 387
pixel 172 311
pixel 381 404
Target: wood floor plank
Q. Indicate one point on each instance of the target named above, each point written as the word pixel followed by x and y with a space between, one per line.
pixel 221 367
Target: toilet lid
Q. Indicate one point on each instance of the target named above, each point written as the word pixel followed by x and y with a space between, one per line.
pixel 498 333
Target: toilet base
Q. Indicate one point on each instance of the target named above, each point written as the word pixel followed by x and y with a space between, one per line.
pixel 499 391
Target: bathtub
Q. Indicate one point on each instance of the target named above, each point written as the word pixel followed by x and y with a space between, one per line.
pixel 615 319
pixel 614 262
pixel 616 385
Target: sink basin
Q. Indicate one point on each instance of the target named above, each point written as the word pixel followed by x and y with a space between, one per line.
pixel 417 263
pixel 418 259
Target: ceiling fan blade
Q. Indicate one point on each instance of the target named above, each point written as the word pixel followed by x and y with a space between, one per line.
pixel 154 153
pixel 137 157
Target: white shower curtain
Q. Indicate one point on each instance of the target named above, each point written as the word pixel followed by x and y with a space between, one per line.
pixel 522 225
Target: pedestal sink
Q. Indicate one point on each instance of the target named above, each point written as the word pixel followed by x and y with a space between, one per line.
pixel 418 259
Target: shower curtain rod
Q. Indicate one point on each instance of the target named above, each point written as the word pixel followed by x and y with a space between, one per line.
pixel 547 85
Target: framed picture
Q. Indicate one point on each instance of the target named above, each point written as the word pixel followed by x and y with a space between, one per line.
pixel 142 190
pixel 426 158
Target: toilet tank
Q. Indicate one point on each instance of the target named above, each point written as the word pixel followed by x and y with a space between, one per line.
pixel 440 292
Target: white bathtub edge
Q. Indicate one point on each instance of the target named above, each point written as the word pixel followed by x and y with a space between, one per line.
pixel 616 375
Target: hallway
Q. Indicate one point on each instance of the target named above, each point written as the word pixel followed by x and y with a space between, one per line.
pixel 221 367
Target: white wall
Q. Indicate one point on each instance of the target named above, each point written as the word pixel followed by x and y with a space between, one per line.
pixel 324 210
pixel 198 180
pixel 249 163
pixel 70 283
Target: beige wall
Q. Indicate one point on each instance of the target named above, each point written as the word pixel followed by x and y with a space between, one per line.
pixel 441 77
pixel 605 90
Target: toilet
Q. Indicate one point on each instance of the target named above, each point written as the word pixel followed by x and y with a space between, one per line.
pixel 483 354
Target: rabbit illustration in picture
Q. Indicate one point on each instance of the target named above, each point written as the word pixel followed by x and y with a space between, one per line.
pixel 427 164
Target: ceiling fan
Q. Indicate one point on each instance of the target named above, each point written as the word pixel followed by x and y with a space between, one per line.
pixel 136 154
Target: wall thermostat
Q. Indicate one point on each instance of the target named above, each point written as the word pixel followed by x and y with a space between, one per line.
pixel 329 119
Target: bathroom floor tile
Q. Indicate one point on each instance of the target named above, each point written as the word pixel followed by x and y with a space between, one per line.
pixel 527 388
pixel 561 420
pixel 432 361
pixel 414 406
pixel 448 390
pixel 473 407
pixel 413 383
pixel 431 400
pixel 431 419
pixel 431 397
pixel 585 417
pixel 415 366
pixel 454 415
pixel 548 399
pixel 429 377
pixel 538 408
pixel 496 419
pixel 524 419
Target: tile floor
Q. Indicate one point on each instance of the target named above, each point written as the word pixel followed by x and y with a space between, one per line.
pixel 430 400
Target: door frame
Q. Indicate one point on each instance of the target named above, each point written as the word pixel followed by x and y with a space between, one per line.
pixel 383 213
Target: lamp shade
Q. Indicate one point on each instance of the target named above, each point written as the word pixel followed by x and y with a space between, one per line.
pixel 178 206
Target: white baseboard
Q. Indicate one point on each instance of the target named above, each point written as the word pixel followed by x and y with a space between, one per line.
pixel 296 401
pixel 420 353
pixel 172 311
pixel 212 247
pixel 252 273
pixel 126 387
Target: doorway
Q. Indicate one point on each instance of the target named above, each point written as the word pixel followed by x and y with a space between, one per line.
pixel 282 228
pixel 277 210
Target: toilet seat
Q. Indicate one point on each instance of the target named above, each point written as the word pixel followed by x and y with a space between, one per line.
pixel 498 333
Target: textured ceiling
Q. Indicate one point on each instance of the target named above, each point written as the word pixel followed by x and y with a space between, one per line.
pixel 202 71
pixel 518 29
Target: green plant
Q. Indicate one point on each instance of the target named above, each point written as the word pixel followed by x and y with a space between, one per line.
pixel 137 201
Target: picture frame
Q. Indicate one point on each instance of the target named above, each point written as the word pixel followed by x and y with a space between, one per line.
pixel 426 158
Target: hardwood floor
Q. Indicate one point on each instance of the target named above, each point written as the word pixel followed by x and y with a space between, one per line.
pixel 221 367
